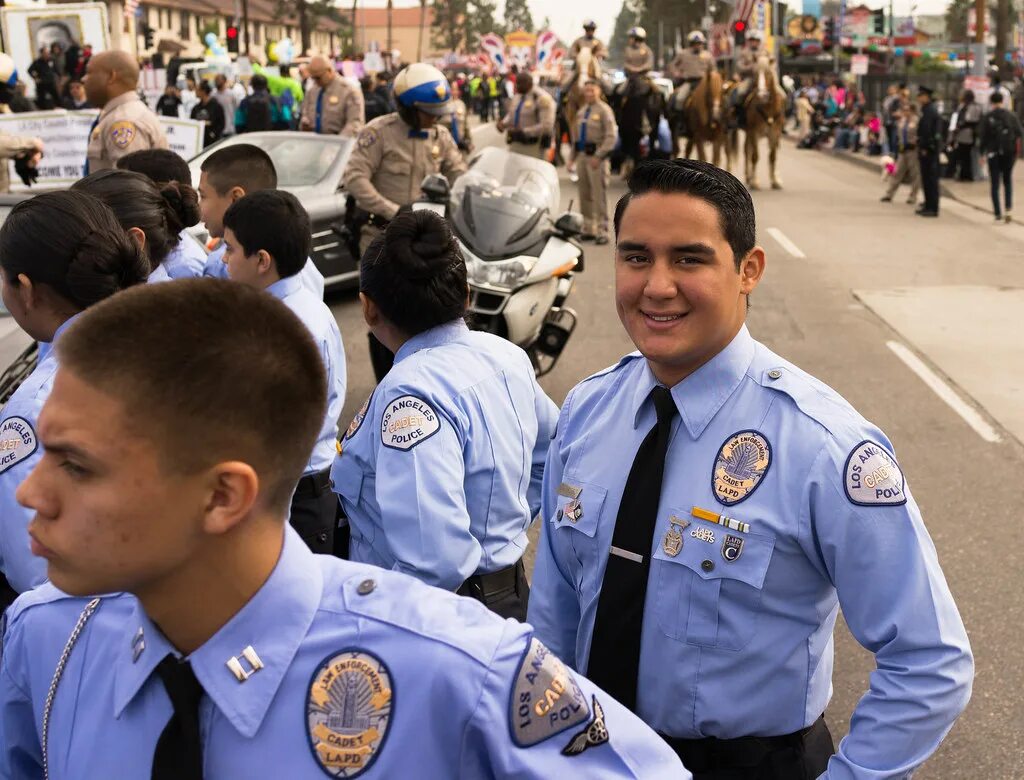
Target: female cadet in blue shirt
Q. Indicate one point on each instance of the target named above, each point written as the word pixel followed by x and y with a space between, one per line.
pixel 153 217
pixel 59 254
pixel 439 472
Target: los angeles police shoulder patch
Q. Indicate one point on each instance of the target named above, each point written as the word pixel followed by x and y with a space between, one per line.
pixel 741 464
pixel 122 133
pixel 406 422
pixel 367 138
pixel 17 442
pixel 357 421
pixel 348 712
pixel 873 477
pixel 546 700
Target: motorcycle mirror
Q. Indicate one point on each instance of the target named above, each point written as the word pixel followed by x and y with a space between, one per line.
pixel 436 188
pixel 569 223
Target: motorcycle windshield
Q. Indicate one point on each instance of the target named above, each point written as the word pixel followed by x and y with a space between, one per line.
pixel 503 203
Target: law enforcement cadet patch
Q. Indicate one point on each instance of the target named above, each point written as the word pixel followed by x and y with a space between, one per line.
pixel 406 422
pixel 742 462
pixel 348 712
pixel 122 133
pixel 546 700
pixel 17 442
pixel 873 477
pixel 357 421
pixel 367 138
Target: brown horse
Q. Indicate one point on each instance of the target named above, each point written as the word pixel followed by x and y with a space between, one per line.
pixel 706 119
pixel 765 113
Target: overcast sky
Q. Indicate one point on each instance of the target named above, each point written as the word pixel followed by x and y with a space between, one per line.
pixel 567 15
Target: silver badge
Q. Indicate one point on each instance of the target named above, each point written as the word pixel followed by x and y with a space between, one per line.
pixel 732 547
pixel 673 541
pixel 704 534
pixel 574 510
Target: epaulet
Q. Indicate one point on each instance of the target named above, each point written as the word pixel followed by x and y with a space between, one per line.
pixel 47 594
pixel 403 602
pixel 813 398
pixel 623 361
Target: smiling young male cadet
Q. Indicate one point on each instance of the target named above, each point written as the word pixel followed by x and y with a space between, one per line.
pixel 230 651
pixel 700 585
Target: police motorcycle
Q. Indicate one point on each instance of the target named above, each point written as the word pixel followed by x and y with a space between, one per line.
pixel 521 260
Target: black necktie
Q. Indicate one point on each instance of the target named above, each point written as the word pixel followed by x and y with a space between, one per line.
pixel 179 752
pixel 615 645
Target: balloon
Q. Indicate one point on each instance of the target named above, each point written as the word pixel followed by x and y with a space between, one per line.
pixel 1008 56
pixel 285 50
pixel 272 54
pixel 952 56
pixel 210 39
pixel 899 51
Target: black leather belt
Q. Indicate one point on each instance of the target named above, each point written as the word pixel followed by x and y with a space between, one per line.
pixel 491 587
pixel 314 485
pixel 701 755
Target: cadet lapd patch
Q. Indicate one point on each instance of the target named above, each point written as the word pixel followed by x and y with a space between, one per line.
pixel 873 477
pixel 367 138
pixel 546 699
pixel 357 421
pixel 742 462
pixel 17 442
pixel 348 712
pixel 122 133
pixel 407 421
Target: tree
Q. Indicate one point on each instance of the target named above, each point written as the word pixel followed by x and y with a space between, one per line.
pixel 309 13
pixel 956 20
pixel 518 16
pixel 449 17
pixel 626 19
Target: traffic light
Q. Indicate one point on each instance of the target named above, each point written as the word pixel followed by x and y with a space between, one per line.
pixel 828 36
pixel 878 21
pixel 232 35
pixel 739 33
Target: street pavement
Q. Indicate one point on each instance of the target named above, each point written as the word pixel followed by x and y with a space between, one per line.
pixel 916 322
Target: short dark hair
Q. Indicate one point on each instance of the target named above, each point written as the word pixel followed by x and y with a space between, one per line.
pixel 218 329
pixel 996 97
pixel 205 87
pixel 137 202
pixel 275 221
pixel 701 180
pixel 240 165
pixel 415 273
pixel 72 242
pixel 258 82
pixel 160 165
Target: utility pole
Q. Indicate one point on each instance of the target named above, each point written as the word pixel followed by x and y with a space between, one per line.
pixel 891 58
pixel 245 27
pixel 1002 32
pixel 391 8
pixel 979 48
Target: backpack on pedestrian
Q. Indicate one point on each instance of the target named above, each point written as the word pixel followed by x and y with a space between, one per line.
pixel 258 112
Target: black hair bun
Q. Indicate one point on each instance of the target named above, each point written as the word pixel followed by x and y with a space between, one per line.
pixel 183 202
pixel 102 265
pixel 420 243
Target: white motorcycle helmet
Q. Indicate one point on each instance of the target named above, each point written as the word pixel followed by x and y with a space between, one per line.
pixel 424 88
pixel 8 70
pixel 696 37
pixel 639 33
pixel 755 35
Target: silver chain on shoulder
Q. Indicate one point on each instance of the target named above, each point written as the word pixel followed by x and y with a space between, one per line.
pixel 90 608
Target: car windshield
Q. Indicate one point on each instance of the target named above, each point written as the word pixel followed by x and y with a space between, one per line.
pixel 300 160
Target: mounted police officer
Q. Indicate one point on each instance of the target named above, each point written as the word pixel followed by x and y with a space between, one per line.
pixel 688 67
pixel 588 41
pixel 638 59
pixel 746 69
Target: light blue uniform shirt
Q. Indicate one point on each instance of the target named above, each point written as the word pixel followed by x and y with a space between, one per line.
pixel 187 260
pixel 20 450
pixel 321 324
pixel 738 642
pixel 310 275
pixel 440 472
pixel 403 680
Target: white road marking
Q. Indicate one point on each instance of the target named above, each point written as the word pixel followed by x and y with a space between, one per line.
pixel 945 392
pixel 785 243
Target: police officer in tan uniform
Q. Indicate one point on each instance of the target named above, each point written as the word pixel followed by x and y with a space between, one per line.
pixel 746 69
pixel 332 105
pixel 393 154
pixel 595 135
pixel 588 41
pixel 689 65
pixel 638 58
pixel 530 120
pixel 125 123
pixel 457 122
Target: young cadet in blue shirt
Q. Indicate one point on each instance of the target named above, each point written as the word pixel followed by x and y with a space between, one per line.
pixel 59 254
pixel 153 215
pixel 440 472
pixel 188 257
pixel 226 176
pixel 700 586
pixel 267 237
pixel 169 489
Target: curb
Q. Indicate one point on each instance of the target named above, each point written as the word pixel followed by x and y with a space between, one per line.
pixel 869 164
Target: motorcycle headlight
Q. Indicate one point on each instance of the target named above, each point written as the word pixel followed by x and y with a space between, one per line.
pixel 506 274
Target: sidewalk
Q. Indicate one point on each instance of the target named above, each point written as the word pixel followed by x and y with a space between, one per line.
pixel 976 194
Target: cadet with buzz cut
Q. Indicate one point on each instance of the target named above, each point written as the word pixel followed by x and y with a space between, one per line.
pixel 228 650
pixel 700 586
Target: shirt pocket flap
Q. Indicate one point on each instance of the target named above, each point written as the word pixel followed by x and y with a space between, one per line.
pixel 582 511
pixel 347 482
pixel 712 552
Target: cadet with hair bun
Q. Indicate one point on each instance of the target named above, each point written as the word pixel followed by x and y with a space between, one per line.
pixel 154 218
pixel 439 473
pixel 60 253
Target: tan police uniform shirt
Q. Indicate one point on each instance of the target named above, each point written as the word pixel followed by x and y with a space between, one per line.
pixel 460 114
pixel 342 112
pixel 688 64
pixel 601 128
pixel 595 45
pixel 746 61
pixel 387 166
pixel 537 117
pixel 638 59
pixel 126 125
